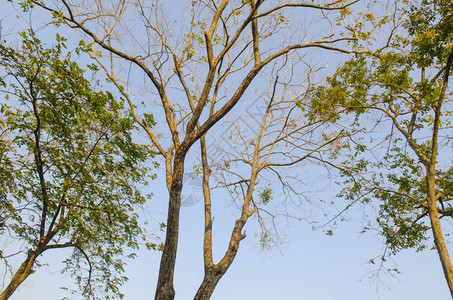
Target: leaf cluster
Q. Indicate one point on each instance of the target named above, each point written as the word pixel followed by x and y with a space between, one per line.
pixel 394 94
pixel 69 166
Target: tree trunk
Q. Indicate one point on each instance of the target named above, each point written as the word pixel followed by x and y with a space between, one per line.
pixel 211 278
pixel 21 274
pixel 213 273
pixel 165 289
pixel 439 240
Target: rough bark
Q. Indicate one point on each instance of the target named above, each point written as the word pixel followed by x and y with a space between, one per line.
pixel 21 274
pixel 439 239
pixel 213 273
pixel 165 289
pixel 210 280
pixel 432 196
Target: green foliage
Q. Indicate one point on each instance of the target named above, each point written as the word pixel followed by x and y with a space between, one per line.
pixel 430 26
pixel 68 165
pixel 265 195
pixel 400 87
pixel 148 120
pixel 403 203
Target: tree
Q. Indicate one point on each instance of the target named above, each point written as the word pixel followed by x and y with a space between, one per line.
pixel 197 66
pixel 68 166
pixel 405 88
pixel 264 169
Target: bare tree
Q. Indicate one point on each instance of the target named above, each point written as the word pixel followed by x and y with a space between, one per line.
pixel 261 161
pixel 196 65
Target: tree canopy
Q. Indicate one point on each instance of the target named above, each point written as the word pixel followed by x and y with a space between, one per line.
pixel 69 168
pixel 402 92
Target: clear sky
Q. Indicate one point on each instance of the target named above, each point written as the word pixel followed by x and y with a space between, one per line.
pixel 308 264
pixel 311 266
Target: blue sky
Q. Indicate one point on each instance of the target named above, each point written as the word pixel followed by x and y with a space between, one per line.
pixel 311 266
pixel 308 265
